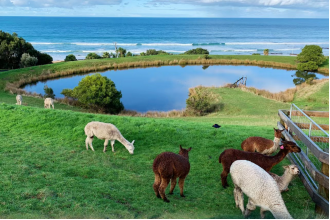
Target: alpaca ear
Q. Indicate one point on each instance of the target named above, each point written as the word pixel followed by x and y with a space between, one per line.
pixel 285 167
pixel 133 141
pixel 274 129
pixel 189 149
pixel 282 130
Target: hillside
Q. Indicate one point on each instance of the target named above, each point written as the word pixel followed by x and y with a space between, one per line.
pixel 47 172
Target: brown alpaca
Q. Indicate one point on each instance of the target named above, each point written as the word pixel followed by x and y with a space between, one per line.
pixel 263 145
pixel 266 162
pixel 167 167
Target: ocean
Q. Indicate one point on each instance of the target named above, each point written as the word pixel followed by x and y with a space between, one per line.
pixel 60 36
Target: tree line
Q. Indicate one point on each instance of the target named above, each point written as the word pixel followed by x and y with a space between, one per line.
pixel 15 53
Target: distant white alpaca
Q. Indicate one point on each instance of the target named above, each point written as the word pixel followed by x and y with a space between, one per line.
pixel 284 180
pixel 106 131
pixel 19 100
pixel 260 187
pixel 49 102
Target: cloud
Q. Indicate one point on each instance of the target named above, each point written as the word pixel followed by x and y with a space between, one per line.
pixel 298 4
pixel 57 3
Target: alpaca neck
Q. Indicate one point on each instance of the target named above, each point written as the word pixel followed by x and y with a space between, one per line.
pixel 277 142
pixel 286 178
pixel 122 140
pixel 279 156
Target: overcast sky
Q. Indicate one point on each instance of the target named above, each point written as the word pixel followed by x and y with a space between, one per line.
pixel 168 8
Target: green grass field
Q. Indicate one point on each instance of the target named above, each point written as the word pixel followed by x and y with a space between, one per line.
pixel 46 171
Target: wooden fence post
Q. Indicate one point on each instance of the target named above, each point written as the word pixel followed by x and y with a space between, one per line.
pixel 322 190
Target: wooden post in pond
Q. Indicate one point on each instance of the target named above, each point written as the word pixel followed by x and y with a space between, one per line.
pixel 324 192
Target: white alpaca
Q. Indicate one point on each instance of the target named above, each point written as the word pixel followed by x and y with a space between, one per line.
pixel 260 187
pixel 19 100
pixel 49 102
pixel 284 180
pixel 106 131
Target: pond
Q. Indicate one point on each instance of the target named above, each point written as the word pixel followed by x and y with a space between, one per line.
pixel 166 88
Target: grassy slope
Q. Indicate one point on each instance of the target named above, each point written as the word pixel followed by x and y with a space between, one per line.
pixel 46 171
pixel 315 97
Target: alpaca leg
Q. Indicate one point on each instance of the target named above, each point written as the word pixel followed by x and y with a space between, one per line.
pixel 157 184
pixel 224 175
pixel 173 183
pixel 249 207
pixel 105 145
pixel 89 141
pixel 112 145
pixel 162 187
pixel 239 198
pixel 52 106
pixel 181 184
pixel 262 212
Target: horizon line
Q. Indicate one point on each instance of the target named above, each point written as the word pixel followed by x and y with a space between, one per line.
pixel 155 17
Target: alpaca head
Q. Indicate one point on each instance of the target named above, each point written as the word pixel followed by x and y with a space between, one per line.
pixel 130 147
pixel 184 152
pixel 278 132
pixel 290 146
pixel 292 169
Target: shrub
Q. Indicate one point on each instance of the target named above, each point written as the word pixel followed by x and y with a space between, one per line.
pixel 121 51
pixel 49 93
pixel 106 55
pixel 256 54
pixel 199 100
pixel 98 93
pixel 143 54
pixel 129 54
pixel 70 57
pixel 27 60
pixel 266 51
pixel 311 53
pixel 92 56
pixel 206 57
pixel 112 55
pixel 156 52
pixel 309 66
pixel 197 51
pixel 44 58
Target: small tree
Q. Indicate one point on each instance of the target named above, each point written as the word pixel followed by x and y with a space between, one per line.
pixel 70 57
pixel 310 58
pixel 49 93
pixel 106 55
pixel 92 56
pixel 97 92
pixel 143 54
pixel 112 55
pixel 27 60
pixel 200 100
pixel 266 52
pixel 44 58
pixel 129 54
pixel 122 52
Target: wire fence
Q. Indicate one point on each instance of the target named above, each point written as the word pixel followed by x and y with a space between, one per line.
pixel 313 130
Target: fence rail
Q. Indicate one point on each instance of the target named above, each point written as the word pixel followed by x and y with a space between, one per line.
pixel 314 157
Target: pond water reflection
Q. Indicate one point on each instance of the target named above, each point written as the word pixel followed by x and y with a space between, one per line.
pixel 166 88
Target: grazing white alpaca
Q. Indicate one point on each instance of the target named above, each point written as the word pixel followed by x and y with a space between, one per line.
pixel 260 187
pixel 49 102
pixel 19 100
pixel 284 180
pixel 106 131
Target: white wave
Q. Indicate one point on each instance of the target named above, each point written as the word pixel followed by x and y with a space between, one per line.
pixel 98 51
pixel 244 50
pixel 44 43
pixel 92 44
pixel 56 51
pixel 287 49
pixel 165 44
pixel 295 43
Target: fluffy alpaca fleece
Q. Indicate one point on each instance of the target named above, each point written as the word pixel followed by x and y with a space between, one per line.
pixel 266 162
pixel 106 131
pixel 168 167
pixel 19 100
pixel 49 102
pixel 263 145
pixel 283 181
pixel 260 187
